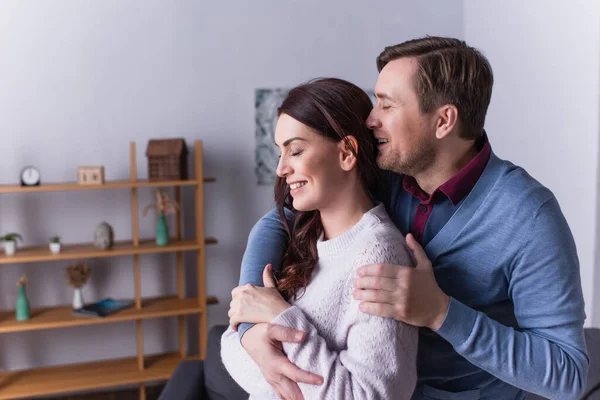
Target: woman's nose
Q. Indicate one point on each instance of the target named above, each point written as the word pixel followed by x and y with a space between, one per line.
pixel 283 169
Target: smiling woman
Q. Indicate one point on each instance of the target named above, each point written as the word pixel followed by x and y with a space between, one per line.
pixel 326 169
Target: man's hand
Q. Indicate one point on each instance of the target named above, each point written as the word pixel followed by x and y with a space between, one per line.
pixel 407 294
pixel 263 344
pixel 255 304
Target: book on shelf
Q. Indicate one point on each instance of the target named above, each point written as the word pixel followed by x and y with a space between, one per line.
pixel 102 308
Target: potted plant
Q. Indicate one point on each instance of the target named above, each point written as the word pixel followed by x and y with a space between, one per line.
pixel 77 276
pixel 163 207
pixel 55 244
pixel 10 242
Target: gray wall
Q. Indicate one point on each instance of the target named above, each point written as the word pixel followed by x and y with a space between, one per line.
pixel 79 80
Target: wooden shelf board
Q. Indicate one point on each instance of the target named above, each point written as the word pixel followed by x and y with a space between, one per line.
pixel 117 184
pixel 87 250
pixel 86 376
pixel 61 317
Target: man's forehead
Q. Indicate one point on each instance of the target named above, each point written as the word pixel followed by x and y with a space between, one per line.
pixel 395 75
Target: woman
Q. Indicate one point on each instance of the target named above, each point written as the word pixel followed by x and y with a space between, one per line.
pixel 326 168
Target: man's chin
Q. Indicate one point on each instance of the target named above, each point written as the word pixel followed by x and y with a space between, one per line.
pixel 389 165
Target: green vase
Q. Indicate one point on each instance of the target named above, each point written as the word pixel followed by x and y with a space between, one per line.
pixel 162 232
pixel 22 305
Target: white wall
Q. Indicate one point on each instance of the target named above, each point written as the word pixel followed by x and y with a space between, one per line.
pixel 545 109
pixel 79 80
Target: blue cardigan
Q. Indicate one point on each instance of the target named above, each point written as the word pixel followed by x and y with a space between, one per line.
pixel 508 260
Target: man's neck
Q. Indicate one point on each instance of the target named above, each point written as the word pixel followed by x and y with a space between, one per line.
pixel 448 162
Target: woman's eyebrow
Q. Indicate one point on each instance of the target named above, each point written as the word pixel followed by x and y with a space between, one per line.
pixel 290 140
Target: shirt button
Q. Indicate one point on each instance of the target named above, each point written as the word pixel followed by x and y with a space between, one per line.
pixel 423 208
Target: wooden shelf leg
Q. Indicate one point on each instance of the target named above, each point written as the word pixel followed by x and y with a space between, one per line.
pixel 142 391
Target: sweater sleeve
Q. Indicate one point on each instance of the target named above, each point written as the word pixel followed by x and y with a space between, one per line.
pixel 267 243
pixel 242 368
pixel 547 354
pixel 379 360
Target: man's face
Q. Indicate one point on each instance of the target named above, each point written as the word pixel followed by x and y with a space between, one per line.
pixel 406 137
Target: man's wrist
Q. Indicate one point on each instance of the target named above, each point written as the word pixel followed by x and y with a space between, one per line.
pixel 437 322
pixel 249 334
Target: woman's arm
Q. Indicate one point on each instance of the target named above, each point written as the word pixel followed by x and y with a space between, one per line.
pixel 379 361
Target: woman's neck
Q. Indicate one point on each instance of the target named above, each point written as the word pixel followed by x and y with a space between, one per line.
pixel 345 212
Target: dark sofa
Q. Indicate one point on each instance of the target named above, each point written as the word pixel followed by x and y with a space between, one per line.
pixel 208 379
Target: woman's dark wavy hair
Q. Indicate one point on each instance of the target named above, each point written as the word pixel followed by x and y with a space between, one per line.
pixel 335 109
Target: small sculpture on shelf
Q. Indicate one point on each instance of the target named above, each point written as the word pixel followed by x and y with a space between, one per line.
pixel 163 207
pixel 77 276
pixel 54 244
pixel 22 310
pixel 104 236
pixel 10 242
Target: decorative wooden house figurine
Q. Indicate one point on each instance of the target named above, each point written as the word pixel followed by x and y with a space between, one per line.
pixel 167 159
pixel 90 175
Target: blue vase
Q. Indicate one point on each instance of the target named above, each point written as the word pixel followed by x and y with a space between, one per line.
pixel 22 310
pixel 162 232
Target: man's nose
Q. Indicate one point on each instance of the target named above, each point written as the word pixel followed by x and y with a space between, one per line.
pixel 373 121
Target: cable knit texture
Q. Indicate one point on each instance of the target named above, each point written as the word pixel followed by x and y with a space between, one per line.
pixel 359 356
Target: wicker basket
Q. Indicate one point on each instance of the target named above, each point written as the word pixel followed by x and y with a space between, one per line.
pixel 167 159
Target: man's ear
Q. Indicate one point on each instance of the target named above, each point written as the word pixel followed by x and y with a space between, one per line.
pixel 446 121
pixel 348 149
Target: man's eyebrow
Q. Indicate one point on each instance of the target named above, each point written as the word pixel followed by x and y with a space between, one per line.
pixel 289 141
pixel 384 96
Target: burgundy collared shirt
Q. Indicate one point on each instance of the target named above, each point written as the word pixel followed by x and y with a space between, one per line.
pixel 452 192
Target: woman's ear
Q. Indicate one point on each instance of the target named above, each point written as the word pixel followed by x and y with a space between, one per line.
pixel 348 151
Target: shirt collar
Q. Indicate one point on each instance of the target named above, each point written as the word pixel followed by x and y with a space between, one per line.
pixel 457 187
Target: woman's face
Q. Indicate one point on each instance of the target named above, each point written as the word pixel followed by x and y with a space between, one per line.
pixel 309 163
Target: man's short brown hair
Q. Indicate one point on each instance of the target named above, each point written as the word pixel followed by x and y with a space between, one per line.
pixel 449 72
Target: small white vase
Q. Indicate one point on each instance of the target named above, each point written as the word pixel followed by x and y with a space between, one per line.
pixel 55 248
pixel 9 247
pixel 77 299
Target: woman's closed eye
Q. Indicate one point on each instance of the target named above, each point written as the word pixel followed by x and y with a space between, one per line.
pixel 296 152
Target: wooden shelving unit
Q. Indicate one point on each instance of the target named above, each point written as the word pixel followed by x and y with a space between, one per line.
pixel 85 376
pixel 25 384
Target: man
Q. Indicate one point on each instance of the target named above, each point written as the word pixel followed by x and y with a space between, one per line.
pixel 501 310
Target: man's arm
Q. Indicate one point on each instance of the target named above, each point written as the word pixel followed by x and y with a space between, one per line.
pixel 267 243
pixel 547 354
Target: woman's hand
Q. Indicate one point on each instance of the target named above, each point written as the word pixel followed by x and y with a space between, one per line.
pixel 255 304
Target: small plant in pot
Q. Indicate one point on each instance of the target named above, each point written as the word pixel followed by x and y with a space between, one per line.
pixel 55 244
pixel 77 276
pixel 10 242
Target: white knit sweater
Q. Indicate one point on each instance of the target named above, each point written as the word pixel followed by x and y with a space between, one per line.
pixel 358 355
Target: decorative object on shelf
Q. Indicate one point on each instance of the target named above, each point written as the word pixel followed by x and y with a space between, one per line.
pixel 22 311
pixel 163 207
pixel 77 276
pixel 10 242
pixel 90 175
pixel 102 308
pixel 104 236
pixel 30 176
pixel 54 244
pixel 167 159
